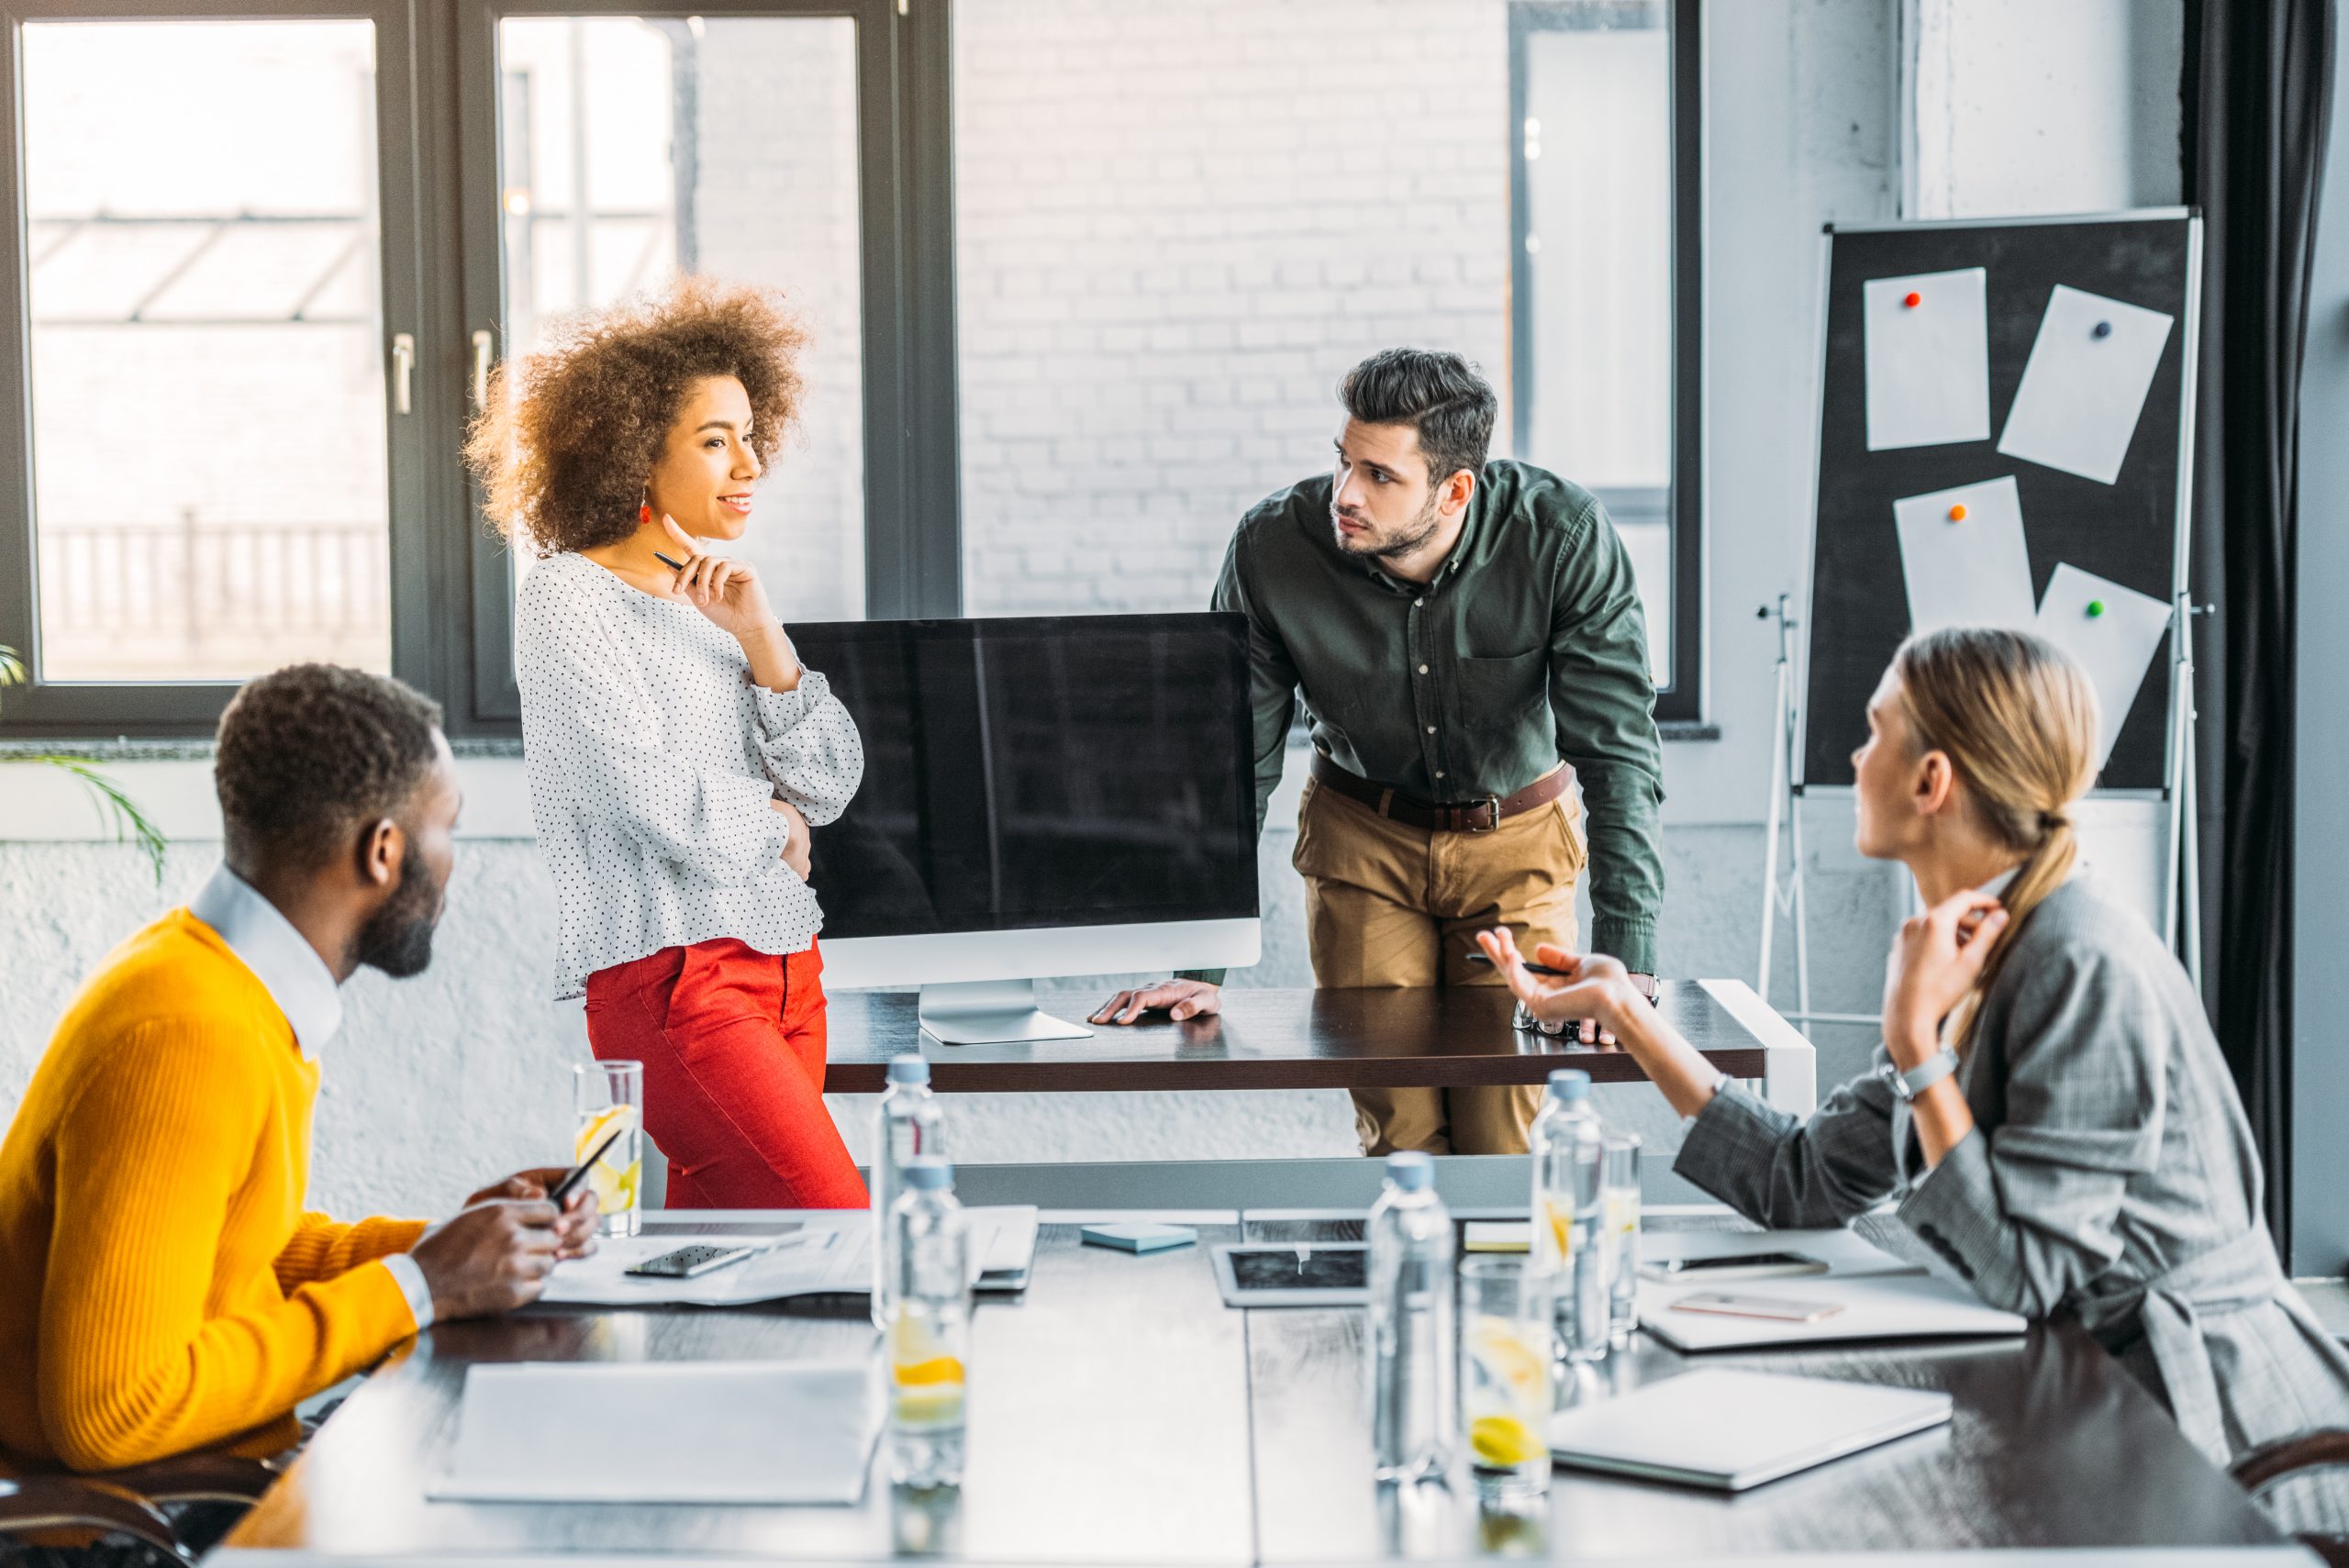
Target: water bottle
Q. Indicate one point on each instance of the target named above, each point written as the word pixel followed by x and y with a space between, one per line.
pixel 929 1335
pixel 909 1122
pixel 1568 1165
pixel 1413 1412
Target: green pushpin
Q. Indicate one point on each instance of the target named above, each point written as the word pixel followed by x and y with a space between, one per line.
pixel 2096 608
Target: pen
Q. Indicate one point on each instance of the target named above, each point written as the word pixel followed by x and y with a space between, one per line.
pixel 563 1188
pixel 672 565
pixel 1476 955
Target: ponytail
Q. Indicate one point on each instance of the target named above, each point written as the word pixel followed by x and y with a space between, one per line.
pixel 2018 721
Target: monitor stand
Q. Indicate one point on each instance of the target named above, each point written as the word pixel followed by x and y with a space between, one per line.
pixel 990 1012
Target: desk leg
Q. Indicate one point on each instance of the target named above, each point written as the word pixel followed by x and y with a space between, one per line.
pixel 1790 1063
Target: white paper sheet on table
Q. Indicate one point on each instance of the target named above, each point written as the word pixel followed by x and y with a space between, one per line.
pixel 2114 647
pixel 1877 1306
pixel 1971 572
pixel 664 1432
pixel 1927 364
pixel 2080 396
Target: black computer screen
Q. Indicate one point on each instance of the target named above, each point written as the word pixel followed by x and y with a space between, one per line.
pixel 1033 771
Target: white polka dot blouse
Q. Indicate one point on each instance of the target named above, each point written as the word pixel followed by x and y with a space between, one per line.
pixel 653 758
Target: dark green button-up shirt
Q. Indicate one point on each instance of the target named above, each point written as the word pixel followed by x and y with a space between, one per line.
pixel 1530 646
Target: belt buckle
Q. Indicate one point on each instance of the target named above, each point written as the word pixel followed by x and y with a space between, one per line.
pixel 1492 804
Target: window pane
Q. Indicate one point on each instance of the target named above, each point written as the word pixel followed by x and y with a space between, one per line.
pixel 1176 226
pixel 1596 146
pixel 208 360
pixel 634 149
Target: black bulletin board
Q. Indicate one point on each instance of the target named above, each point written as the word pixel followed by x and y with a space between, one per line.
pixel 2127 531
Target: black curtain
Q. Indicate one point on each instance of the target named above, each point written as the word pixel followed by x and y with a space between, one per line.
pixel 2258 92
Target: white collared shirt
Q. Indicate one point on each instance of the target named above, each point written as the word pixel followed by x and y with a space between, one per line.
pixel 305 991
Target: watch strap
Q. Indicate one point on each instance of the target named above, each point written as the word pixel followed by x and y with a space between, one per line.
pixel 1915 1080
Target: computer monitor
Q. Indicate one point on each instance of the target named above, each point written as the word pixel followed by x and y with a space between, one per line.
pixel 1042 796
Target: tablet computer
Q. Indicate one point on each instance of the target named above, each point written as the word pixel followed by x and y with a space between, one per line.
pixel 1292 1273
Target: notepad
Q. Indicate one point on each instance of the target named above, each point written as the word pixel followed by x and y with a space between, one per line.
pixel 664 1432
pixel 1883 1307
pixel 1729 1431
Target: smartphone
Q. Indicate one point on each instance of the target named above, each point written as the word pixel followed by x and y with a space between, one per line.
pixel 685 1263
pixel 1734 1265
pixel 1777 1308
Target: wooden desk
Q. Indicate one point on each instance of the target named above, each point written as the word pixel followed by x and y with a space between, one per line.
pixel 1265 1038
pixel 1122 1414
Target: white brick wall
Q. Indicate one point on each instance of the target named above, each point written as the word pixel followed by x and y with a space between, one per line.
pixel 1177 227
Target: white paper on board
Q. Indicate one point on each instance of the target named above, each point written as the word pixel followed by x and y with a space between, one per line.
pixel 1927 364
pixel 1974 571
pixel 2115 646
pixel 2081 394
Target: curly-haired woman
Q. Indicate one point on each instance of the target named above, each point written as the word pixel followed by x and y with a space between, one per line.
pixel 678 750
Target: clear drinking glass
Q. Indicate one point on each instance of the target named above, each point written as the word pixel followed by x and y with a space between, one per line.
pixel 608 1095
pixel 1619 1219
pixel 1505 1333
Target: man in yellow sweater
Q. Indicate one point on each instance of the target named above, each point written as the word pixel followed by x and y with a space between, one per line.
pixel 161 1287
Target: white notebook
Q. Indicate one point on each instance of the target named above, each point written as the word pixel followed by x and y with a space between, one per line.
pixel 1729 1431
pixel 664 1432
pixel 1881 1307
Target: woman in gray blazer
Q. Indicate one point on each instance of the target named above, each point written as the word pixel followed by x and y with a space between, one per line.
pixel 2049 1106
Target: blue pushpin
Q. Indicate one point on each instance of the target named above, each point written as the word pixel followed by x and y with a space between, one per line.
pixel 2103 329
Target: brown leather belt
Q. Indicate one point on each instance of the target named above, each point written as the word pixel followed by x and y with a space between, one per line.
pixel 1471 817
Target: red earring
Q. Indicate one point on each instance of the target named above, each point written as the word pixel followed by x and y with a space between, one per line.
pixel 644 514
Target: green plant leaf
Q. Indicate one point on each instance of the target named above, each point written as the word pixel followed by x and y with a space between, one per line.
pixel 114 805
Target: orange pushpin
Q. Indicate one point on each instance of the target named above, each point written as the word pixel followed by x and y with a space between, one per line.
pixel 1957 513
pixel 1913 301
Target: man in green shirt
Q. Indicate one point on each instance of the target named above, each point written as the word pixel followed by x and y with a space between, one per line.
pixel 1457 627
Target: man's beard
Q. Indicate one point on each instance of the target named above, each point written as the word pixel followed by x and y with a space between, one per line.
pixel 1415 533
pixel 398 938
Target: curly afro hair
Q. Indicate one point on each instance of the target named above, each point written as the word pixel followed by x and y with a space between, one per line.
pixel 310 753
pixel 569 435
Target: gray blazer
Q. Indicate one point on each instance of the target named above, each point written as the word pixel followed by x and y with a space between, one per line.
pixel 2110 1176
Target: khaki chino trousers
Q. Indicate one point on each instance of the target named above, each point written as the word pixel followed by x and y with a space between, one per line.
pixel 1390 905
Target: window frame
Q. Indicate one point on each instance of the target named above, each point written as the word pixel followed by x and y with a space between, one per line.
pixel 452 609
pixel 912 466
pixel 42 709
pixel 1681 701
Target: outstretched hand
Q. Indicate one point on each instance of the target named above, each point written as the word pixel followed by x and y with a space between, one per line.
pixel 1597 991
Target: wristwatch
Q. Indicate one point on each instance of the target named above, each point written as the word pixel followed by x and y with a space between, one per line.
pixel 1924 1075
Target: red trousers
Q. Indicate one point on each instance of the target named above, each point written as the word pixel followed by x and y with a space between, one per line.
pixel 732 1043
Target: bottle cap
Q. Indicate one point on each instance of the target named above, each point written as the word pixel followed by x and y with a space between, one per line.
pixel 909 1068
pixel 930 1173
pixel 1412 1171
pixel 1570 1084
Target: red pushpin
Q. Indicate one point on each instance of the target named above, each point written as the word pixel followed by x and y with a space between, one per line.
pixel 1957 513
pixel 1913 300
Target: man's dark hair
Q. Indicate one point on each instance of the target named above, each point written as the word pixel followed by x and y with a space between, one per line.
pixel 1437 393
pixel 310 753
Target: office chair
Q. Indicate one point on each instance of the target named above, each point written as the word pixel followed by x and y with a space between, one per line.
pixel 2302 1483
pixel 129 1502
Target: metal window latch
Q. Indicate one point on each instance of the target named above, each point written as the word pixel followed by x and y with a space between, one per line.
pixel 481 344
pixel 403 370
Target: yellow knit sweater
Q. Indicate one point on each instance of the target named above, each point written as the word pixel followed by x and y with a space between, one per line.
pixel 161 1286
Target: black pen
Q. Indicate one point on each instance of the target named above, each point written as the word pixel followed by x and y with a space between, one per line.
pixel 672 565
pixel 1476 955
pixel 563 1188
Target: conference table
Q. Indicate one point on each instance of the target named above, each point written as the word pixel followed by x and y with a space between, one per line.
pixel 1120 1414
pixel 1442 1037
